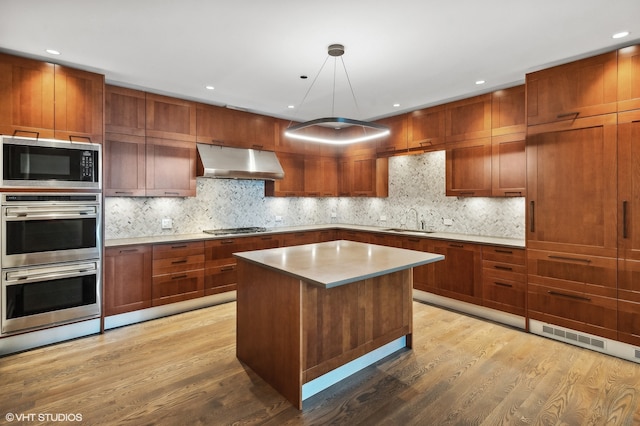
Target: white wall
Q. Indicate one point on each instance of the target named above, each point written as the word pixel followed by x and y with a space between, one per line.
pixel 415 181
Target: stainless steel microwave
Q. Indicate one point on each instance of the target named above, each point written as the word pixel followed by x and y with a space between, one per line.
pixel 46 163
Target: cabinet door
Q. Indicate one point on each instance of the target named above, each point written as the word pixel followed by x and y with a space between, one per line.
pixel 508 111
pixel 397 140
pixel 170 118
pixel 422 275
pixel 468 119
pixel 124 165
pixel 26 97
pixel 127 279
pixel 177 287
pixel 320 176
pixel 459 275
pixel 571 187
pixel 508 165
pixel 504 279
pixel 293 183
pixel 427 128
pixel 125 111
pixel 79 100
pixel 576 90
pixel 468 172
pixel 171 168
pixel 629 78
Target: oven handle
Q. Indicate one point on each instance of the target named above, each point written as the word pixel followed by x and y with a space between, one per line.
pixel 26 275
pixel 23 213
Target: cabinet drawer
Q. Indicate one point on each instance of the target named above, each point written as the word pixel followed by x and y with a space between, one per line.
pixel 504 293
pixel 629 322
pixel 504 254
pixel 488 265
pixel 178 264
pixel 220 252
pixel 176 287
pixel 165 251
pixel 576 310
pixel 220 279
pixel 577 273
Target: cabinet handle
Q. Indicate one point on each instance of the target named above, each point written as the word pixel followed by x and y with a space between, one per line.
pixel 227 242
pixel 313 194
pixel 532 216
pixel 503 251
pixel 456 245
pixel 503 268
pixel 502 284
pixel 467 193
pixel 624 219
pixel 427 142
pixel 125 192
pixel 179 277
pixel 513 193
pixel 171 193
pixel 128 251
pixel 79 137
pixel 176 262
pixel 570 296
pixel 218 142
pixel 569 114
pixel 258 147
pixel 15 132
pixel 180 246
pixel 413 240
pixel 570 259
pixel 227 269
pixel 266 238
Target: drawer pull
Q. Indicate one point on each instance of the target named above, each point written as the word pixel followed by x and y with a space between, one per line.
pixel 179 277
pixel 502 284
pixel 503 251
pixel 624 218
pixel 570 259
pixel 125 192
pixel 227 242
pixel 532 216
pixel 176 262
pixel 129 251
pixel 227 269
pixel 456 245
pixel 570 296
pixel 569 114
pixel 503 268
pixel 171 193
pixel 180 246
pixel 266 238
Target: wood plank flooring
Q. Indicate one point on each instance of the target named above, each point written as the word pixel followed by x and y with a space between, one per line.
pixel 182 370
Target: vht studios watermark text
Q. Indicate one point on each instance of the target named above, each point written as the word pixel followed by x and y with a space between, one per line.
pixel 43 417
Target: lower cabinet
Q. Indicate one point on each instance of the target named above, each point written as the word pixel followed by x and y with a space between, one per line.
pixel 504 279
pixel 127 279
pixel 178 272
pixel 459 275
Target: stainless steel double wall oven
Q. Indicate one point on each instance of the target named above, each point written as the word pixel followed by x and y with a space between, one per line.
pixel 50 233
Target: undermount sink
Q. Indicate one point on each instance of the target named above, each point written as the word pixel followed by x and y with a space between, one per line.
pixel 421 231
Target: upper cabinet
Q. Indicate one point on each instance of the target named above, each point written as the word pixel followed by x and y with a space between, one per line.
pixel 427 128
pixel 170 118
pixel 50 101
pixel 397 140
pixel 468 119
pixel 229 127
pixel 578 89
pixel 629 78
pixel 508 111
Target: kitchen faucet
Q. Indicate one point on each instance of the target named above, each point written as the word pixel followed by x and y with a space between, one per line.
pixel 407 214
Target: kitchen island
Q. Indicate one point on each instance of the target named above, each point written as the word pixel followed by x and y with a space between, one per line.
pixel 310 315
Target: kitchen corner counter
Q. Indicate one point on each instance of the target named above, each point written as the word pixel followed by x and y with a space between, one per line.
pixel 337 263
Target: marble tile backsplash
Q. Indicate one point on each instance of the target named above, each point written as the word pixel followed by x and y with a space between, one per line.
pixel 415 182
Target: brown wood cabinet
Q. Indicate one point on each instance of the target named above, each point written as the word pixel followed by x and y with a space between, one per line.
pixel 468 172
pixel 170 168
pixel 427 128
pixel 579 89
pixel 38 99
pixel 178 272
pixel 459 275
pixel 320 176
pixel 508 165
pixel 571 186
pixel 220 264
pixel 629 78
pixel 397 139
pixel 127 278
pixel 504 279
pixel 508 111
pixel 125 143
pixel 629 227
pixel 229 127
pixel 170 118
pixel 423 278
pixel 468 119
pixel 293 183
pixel 363 176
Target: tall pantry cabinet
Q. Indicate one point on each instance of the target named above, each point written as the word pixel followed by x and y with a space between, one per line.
pixel 582 176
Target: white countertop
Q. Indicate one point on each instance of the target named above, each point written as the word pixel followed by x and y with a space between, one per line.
pixel 480 239
pixel 337 263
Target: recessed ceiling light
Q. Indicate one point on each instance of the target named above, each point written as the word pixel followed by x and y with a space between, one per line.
pixel 480 82
pixel 291 107
pixel 52 51
pixel 620 34
pixel 209 87
pixel 396 105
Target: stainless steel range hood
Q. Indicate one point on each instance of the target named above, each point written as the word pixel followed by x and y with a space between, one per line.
pixel 222 162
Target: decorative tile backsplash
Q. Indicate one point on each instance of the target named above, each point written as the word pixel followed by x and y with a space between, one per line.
pixel 415 182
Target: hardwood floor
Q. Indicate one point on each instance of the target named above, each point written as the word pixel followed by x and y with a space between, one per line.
pixel 182 370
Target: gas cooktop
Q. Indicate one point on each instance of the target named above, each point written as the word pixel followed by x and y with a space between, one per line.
pixel 228 231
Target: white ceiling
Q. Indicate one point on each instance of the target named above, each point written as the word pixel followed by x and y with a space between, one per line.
pixel 412 52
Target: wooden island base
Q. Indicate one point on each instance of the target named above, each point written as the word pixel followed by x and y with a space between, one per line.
pixel 302 338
